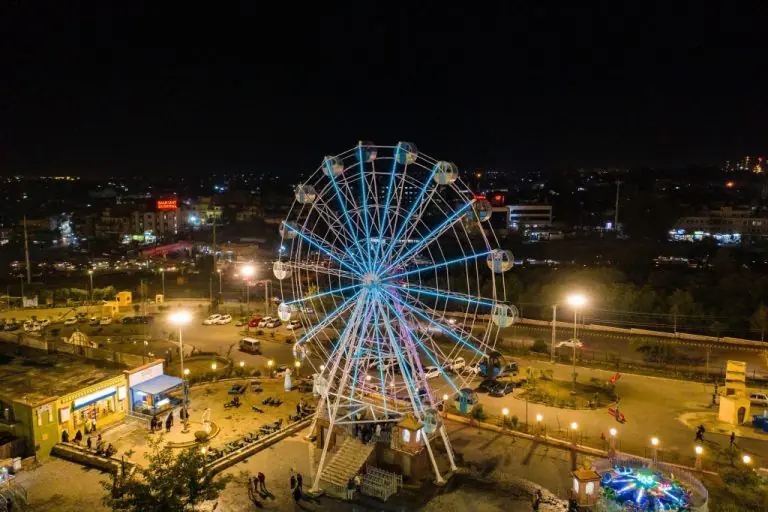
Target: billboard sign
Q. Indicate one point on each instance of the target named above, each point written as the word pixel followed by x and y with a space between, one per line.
pixel 167 204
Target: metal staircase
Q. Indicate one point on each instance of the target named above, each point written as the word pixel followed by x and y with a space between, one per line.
pixel 345 464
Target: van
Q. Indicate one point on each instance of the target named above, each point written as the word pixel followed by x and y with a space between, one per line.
pixel 250 345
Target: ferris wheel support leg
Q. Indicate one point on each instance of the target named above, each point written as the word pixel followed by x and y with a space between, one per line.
pixel 438 477
pixel 314 419
pixel 319 473
pixel 448 447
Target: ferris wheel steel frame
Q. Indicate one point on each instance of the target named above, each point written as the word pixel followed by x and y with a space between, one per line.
pixel 359 238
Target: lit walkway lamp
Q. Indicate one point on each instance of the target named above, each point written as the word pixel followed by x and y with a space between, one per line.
pixel 180 319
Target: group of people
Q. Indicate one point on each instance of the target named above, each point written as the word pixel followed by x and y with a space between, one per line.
pixel 156 423
pixel 354 484
pixel 302 407
pixel 101 449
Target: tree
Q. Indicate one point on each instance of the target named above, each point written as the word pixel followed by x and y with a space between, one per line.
pixel 759 320
pixel 170 483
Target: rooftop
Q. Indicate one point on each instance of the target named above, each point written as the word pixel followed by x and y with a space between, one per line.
pixel 30 376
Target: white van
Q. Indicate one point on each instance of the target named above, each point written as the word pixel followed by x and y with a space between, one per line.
pixel 250 345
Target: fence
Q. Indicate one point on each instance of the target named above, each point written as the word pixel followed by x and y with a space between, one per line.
pixel 379 483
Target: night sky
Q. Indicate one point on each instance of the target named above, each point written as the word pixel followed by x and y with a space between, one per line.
pixel 129 88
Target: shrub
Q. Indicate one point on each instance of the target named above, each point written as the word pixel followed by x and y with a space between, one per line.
pixel 540 347
pixel 514 421
pixel 201 436
pixel 478 413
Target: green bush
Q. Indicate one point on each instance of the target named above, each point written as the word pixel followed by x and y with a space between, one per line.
pixel 540 347
pixel 514 421
pixel 478 413
pixel 201 436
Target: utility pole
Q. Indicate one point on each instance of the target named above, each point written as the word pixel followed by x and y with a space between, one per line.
pixel 554 335
pixel 26 252
pixel 616 216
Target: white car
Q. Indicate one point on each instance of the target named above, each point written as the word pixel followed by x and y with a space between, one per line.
pixel 264 321
pixel 570 344
pixel 273 323
pixel 224 319
pixel 70 321
pixel 431 372
pixel 293 325
pixel 212 320
pixel 473 369
pixel 105 320
pixel 32 327
pixel 456 365
pixel 760 399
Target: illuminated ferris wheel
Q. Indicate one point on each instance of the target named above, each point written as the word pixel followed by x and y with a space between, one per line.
pixel 389 263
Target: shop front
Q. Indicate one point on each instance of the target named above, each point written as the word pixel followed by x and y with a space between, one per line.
pixel 91 408
pixel 151 389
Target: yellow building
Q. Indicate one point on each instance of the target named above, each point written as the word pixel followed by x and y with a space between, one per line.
pixel 124 298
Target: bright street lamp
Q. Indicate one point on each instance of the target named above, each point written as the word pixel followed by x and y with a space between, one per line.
pixel 214 366
pixel 699 451
pixel 180 319
pixel 746 459
pixel 248 272
pixel 162 278
pixel 613 432
pixel 445 397
pixel 574 425
pixel 242 364
pixel 576 301
pixel 539 418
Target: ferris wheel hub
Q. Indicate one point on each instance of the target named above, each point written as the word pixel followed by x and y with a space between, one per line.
pixel 371 280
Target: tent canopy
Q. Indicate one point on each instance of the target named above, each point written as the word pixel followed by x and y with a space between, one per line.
pixel 158 384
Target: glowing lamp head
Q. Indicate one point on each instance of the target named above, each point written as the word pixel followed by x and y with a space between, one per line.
pixel 746 459
pixel 242 364
pixel 214 366
pixel 613 432
pixel 574 426
pixel 297 364
pixel 539 418
pixel 90 272
pixel 655 441
pixel 505 411
pixel 203 450
pixel 248 271
pixel 322 367
pixel 270 363
pixel 699 450
pixel 180 318
pixel 186 371
pixel 576 300
pixel 445 397
pixel 368 378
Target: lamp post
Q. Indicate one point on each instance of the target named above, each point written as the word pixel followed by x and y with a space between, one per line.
pixel 574 428
pixel 270 364
pixel 504 414
pixel 218 271
pixel 297 364
pixel 612 444
pixel 248 272
pixel 654 451
pixel 554 335
pixel 162 279
pixel 576 301
pixel 539 426
pixel 180 319
pixel 699 451
pixel 90 275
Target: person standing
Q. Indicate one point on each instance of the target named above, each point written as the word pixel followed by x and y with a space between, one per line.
pixel 733 439
pixel 350 489
pixel 168 423
pixel 299 482
pixel 536 500
pixel 262 482
pixel 89 443
pixel 378 431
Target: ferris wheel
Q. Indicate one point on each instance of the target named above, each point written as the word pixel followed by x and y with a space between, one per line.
pixel 390 265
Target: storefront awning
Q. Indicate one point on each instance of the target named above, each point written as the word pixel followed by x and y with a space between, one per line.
pixel 158 384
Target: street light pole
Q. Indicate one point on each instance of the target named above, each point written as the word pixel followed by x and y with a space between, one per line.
pixel 90 274
pixel 162 276
pixel 554 335
pixel 181 318
pixel 573 358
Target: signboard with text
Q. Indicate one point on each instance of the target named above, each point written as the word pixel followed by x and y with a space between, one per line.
pixel 167 204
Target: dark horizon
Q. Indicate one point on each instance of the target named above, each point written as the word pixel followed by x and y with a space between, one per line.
pixel 131 90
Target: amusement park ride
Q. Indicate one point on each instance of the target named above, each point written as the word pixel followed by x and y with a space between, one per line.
pixel 391 250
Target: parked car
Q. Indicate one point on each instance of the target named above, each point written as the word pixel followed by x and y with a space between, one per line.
pixel 485 386
pixel 212 320
pixel 105 320
pixel 224 319
pixel 456 364
pixel 254 322
pixel 275 322
pixel 570 344
pixel 237 389
pixel 264 321
pixel 760 399
pixel 11 327
pixel 431 372
pixel 70 321
pixel 473 369
pixel 293 325
pixel 502 389
pixel 280 370
pixel 241 322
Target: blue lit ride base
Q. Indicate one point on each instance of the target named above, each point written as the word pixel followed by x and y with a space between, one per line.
pixel 391 266
pixel 644 489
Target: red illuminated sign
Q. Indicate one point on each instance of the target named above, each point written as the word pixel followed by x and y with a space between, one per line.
pixel 479 197
pixel 167 204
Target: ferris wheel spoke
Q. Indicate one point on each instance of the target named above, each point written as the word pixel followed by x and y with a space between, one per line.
pixel 364 193
pixel 430 237
pixel 378 353
pixel 327 214
pixel 323 294
pixel 443 328
pixel 330 317
pixel 437 265
pixel 404 225
pixel 345 212
pixel 385 213
pixel 361 336
pixel 320 247
pixel 440 295
pixel 414 339
pixel 317 269
pixel 404 366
